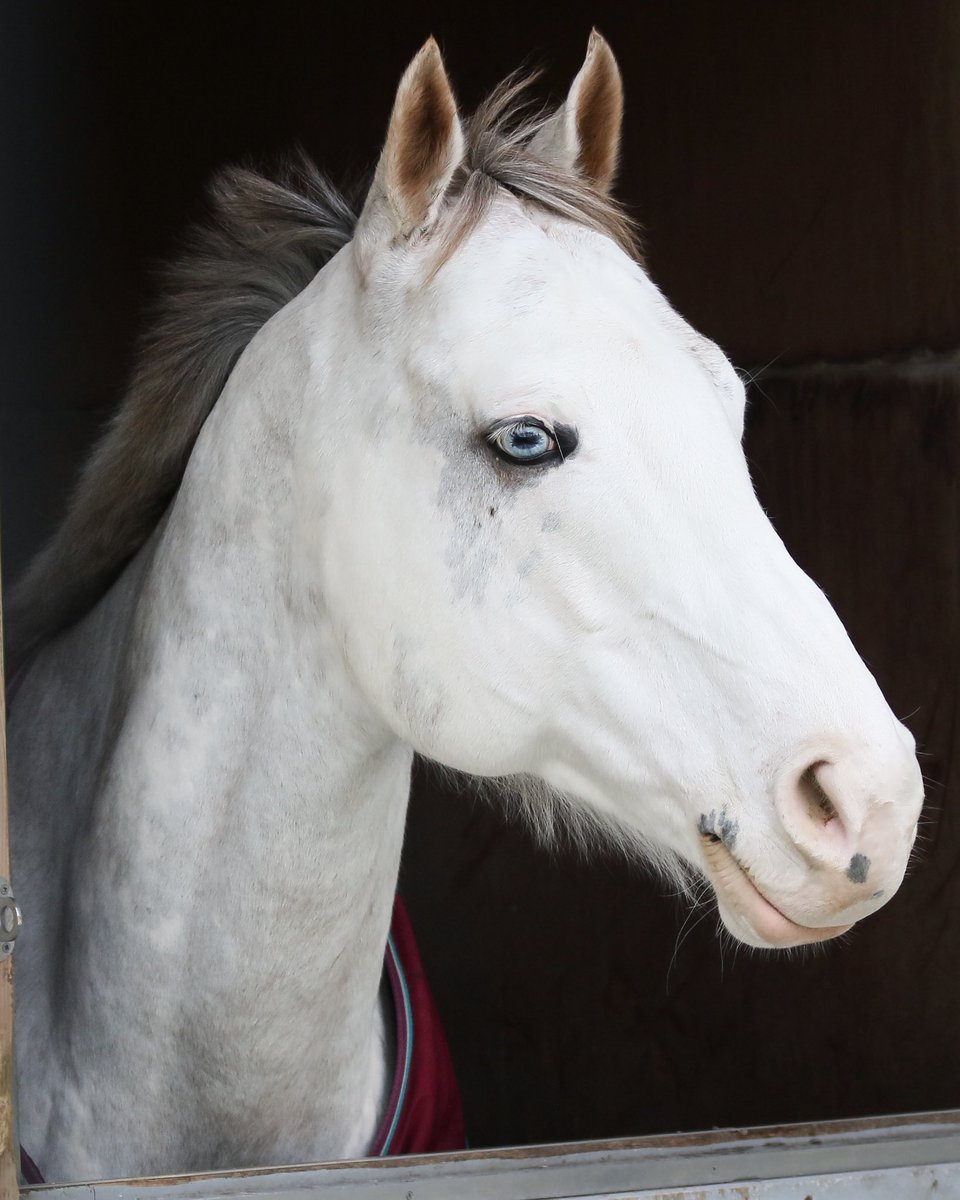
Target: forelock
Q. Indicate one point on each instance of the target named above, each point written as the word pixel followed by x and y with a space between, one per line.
pixel 498 158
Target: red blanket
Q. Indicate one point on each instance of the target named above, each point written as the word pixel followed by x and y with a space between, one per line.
pixel 424 1113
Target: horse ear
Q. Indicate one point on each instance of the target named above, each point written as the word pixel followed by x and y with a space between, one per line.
pixel 583 135
pixel 424 147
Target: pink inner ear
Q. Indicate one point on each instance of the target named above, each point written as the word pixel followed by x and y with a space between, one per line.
pixel 599 115
pixel 425 127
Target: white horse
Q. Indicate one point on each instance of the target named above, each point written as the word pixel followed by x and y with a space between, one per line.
pixel 472 489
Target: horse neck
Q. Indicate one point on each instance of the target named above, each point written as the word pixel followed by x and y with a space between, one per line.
pixel 302 793
pixel 255 800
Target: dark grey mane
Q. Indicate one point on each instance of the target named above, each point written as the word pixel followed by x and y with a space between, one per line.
pixel 263 243
pixel 265 240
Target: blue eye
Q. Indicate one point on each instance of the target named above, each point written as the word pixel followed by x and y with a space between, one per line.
pixel 525 440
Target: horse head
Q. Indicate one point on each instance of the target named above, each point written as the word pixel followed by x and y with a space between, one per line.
pixel 541 545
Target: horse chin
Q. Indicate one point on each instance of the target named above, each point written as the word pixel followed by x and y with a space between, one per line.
pixel 748 914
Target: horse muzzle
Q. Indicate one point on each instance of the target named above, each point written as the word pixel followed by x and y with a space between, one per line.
pixel 848 851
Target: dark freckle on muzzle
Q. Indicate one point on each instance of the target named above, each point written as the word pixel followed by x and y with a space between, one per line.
pixel 859 866
pixel 718 827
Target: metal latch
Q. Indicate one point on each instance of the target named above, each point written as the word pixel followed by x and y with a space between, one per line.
pixel 11 919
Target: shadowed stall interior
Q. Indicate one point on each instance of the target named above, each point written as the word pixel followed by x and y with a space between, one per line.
pixel 797 168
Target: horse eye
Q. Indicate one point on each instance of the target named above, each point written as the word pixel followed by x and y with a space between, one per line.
pixel 525 440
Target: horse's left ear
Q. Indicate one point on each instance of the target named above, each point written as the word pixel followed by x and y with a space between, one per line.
pixel 583 135
pixel 424 147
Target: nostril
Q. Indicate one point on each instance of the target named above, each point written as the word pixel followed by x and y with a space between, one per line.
pixel 834 811
pixel 815 822
pixel 817 804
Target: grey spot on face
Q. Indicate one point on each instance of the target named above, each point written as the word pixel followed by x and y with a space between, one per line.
pixel 551 522
pixel 470 490
pixel 471 550
pixel 877 895
pixel 859 866
pixel 529 562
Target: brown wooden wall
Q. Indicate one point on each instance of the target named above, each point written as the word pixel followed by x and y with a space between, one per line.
pixel 796 166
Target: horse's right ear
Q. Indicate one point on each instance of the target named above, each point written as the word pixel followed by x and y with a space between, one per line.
pixel 424 147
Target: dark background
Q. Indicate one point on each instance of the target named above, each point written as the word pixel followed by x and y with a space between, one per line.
pixel 795 165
